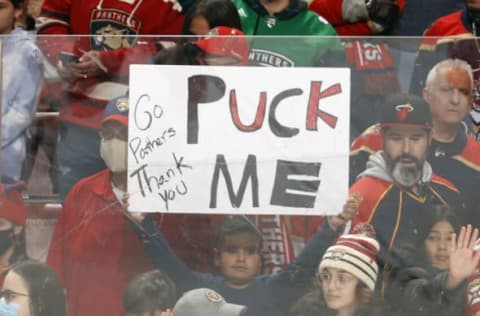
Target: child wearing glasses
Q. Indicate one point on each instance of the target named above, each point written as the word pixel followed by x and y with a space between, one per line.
pixel 345 281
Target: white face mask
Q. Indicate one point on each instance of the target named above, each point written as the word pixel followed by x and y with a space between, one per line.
pixel 8 309
pixel 114 153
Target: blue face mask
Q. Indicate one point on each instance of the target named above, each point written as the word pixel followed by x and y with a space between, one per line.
pixel 8 309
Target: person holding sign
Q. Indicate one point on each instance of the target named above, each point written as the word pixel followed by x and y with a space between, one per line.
pixel 94 250
pixel 238 260
pixel 399 184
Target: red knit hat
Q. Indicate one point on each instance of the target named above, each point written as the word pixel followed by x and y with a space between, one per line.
pixel 356 254
pixel 226 41
pixel 12 204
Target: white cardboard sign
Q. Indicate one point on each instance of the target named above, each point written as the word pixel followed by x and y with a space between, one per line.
pixel 250 140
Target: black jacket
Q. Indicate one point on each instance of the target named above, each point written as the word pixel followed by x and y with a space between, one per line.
pixel 415 288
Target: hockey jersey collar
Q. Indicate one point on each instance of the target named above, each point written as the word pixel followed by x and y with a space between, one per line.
pixel 102 187
pixel 294 8
pixel 132 13
pixel 439 149
pixel 468 21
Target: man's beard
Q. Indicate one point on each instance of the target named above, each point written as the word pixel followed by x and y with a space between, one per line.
pixel 405 176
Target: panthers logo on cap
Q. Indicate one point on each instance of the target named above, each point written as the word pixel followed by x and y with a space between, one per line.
pixel 122 104
pixel 403 110
pixel 213 296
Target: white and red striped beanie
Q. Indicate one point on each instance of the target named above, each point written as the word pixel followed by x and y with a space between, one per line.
pixel 356 254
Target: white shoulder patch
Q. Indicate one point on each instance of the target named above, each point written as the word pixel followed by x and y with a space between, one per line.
pixel 242 13
pixel 322 20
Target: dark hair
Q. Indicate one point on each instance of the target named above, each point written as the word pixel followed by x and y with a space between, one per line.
pixel 438 213
pixel 20 250
pixel 233 225
pixel 412 252
pixel 18 3
pixel 47 297
pixel 148 292
pixel 215 12
pixel 184 53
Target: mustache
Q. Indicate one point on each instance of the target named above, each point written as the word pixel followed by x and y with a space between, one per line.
pixel 406 156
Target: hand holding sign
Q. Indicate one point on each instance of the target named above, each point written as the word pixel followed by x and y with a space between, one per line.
pixel 338 222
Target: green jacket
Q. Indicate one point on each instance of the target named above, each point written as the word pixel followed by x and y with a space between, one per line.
pixel 307 37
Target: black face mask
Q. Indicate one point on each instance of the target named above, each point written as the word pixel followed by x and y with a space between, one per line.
pixel 7 238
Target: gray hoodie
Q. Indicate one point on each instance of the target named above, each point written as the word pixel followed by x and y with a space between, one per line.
pixel 377 168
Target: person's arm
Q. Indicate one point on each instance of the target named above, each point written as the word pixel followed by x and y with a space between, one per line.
pixel 20 108
pixel 415 289
pixel 358 17
pixel 68 221
pixel 163 256
pixel 472 307
pixel 290 284
pixel 54 19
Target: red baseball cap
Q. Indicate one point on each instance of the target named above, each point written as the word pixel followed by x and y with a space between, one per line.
pixel 12 204
pixel 226 41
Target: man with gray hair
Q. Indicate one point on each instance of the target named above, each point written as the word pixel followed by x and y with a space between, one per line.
pixel 453 153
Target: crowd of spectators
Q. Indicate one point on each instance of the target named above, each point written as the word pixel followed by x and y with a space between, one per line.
pixel 405 243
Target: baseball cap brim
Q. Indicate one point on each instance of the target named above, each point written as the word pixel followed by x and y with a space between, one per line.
pixel 116 117
pixel 227 42
pixel 229 309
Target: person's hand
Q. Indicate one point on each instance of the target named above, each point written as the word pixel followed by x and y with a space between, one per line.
pixel 65 71
pixel 89 65
pixel 337 222
pixel 136 216
pixel 463 259
pixel 382 13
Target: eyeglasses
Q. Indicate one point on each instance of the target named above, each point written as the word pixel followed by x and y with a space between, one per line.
pixel 9 295
pixel 110 133
pixel 341 279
